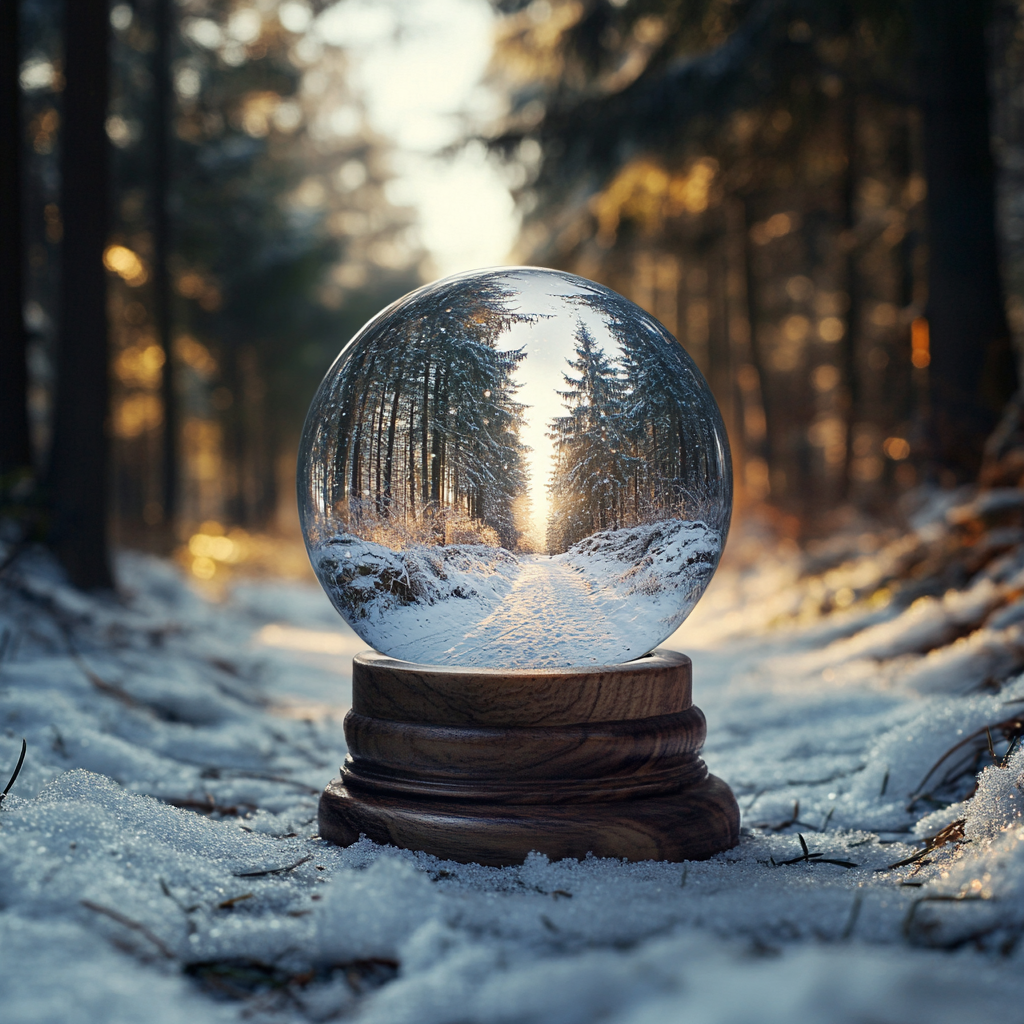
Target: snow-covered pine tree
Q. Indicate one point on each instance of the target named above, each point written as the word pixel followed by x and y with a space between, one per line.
pixel 675 455
pixel 593 463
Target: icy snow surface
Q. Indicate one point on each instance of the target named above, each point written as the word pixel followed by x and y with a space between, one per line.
pixel 610 598
pixel 158 857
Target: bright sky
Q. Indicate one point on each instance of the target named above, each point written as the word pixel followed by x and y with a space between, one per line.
pixel 549 342
pixel 419 64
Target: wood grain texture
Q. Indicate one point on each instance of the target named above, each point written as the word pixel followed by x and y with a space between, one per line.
pixel 382 687
pixel 536 764
pixel 693 824
pixel 486 765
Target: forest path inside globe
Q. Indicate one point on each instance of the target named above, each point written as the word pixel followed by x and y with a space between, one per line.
pixel 549 608
pixel 609 599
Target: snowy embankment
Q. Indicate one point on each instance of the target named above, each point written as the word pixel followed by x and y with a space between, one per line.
pixel 419 599
pixel 158 857
pixel 660 567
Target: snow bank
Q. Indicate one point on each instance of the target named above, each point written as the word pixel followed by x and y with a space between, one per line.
pixel 610 598
pixel 414 603
pixel 652 558
pixel 667 564
pixel 366 581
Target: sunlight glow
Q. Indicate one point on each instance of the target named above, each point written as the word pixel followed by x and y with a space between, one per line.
pixel 419 64
pixel 313 641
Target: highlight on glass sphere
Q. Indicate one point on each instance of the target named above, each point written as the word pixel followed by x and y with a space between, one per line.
pixel 514 468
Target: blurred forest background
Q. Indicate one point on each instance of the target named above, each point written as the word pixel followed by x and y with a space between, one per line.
pixel 822 199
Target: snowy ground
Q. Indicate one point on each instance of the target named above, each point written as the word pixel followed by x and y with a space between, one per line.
pixel 158 857
pixel 608 599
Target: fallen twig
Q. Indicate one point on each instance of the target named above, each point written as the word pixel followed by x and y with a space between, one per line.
pixel 17 771
pixel 209 806
pixel 244 773
pixel 811 858
pixel 273 871
pixel 793 820
pixel 952 833
pixel 981 739
pixel 135 926
pixel 228 904
pixel 851 921
pixel 912 912
pixel 174 899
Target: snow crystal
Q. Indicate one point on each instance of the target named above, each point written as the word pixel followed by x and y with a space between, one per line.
pixel 370 913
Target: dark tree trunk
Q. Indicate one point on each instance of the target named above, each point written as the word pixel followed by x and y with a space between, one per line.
pixel 164 24
pixel 850 364
pixel 15 442
pixel 412 462
pixel 757 354
pixel 379 438
pixel 79 465
pixel 972 372
pixel 355 490
pixel 235 441
pixel 438 447
pixel 389 459
pixel 425 420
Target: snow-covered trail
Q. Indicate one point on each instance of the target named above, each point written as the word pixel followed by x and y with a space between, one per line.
pixel 552 615
pixel 552 609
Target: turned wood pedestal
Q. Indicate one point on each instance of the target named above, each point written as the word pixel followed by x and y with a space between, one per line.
pixel 484 765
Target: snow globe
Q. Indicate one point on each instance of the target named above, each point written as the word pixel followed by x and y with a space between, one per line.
pixel 514 484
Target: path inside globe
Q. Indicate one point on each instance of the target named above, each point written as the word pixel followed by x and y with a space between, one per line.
pixel 608 599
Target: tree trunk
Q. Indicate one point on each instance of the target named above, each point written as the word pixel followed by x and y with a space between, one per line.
pixel 163 99
pixel 424 426
pixel 972 371
pixel 236 444
pixel 850 365
pixel 437 444
pixel 757 354
pixel 79 464
pixel 379 439
pixel 15 441
pixel 355 489
pixel 412 463
pixel 389 458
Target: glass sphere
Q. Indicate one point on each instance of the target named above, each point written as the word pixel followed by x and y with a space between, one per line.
pixel 514 468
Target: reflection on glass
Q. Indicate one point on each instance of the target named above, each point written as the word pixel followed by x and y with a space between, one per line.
pixel 514 468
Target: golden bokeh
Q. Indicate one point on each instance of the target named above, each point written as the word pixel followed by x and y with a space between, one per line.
pixel 120 260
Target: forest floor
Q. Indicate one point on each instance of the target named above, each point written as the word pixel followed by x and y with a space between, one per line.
pixel 159 858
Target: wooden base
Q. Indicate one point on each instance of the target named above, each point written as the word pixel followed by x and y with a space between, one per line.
pixel 486 766
pixel 693 824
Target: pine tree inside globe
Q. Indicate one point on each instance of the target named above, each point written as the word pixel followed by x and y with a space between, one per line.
pixel 514 468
